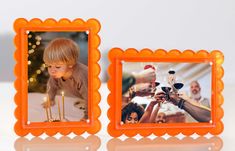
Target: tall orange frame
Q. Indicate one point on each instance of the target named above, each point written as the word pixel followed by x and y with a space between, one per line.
pixel 117 55
pixel 22 127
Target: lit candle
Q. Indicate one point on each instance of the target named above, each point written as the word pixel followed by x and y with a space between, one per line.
pixel 45 101
pixel 59 109
pixel 63 110
pixel 49 106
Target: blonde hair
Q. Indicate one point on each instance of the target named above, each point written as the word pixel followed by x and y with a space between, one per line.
pixel 61 50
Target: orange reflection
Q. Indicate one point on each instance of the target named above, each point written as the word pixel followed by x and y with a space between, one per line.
pixel 200 144
pixel 91 143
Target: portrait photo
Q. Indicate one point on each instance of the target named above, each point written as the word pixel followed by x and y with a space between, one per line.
pixel 57 76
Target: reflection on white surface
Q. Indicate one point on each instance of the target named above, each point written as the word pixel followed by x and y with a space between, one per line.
pixel 78 143
pixel 173 143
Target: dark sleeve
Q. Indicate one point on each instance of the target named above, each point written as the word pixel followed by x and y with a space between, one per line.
pixel 128 80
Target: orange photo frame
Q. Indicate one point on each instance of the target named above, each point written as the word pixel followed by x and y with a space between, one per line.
pixel 118 56
pixel 22 27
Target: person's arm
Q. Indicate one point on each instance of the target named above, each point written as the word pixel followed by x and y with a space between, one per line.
pixel 144 89
pixel 199 113
pixel 154 114
pixel 194 102
pixel 145 76
pixel 160 97
pixel 146 116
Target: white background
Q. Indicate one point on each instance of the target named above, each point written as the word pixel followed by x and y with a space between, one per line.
pixel 167 24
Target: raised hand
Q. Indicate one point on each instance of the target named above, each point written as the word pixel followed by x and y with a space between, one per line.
pixel 145 76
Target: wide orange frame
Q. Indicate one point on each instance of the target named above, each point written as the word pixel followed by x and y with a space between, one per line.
pixel 117 55
pixel 22 127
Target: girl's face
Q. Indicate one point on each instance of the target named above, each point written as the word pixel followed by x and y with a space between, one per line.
pixel 58 70
pixel 132 119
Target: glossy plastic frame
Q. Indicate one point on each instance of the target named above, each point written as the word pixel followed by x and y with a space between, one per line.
pixel 117 55
pixel 22 127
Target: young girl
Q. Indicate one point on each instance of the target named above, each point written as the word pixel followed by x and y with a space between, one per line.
pixel 132 113
pixel 66 73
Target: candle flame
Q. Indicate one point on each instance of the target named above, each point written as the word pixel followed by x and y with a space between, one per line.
pixel 62 93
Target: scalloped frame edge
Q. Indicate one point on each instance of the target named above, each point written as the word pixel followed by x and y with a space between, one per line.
pixel 21 26
pixel 116 55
